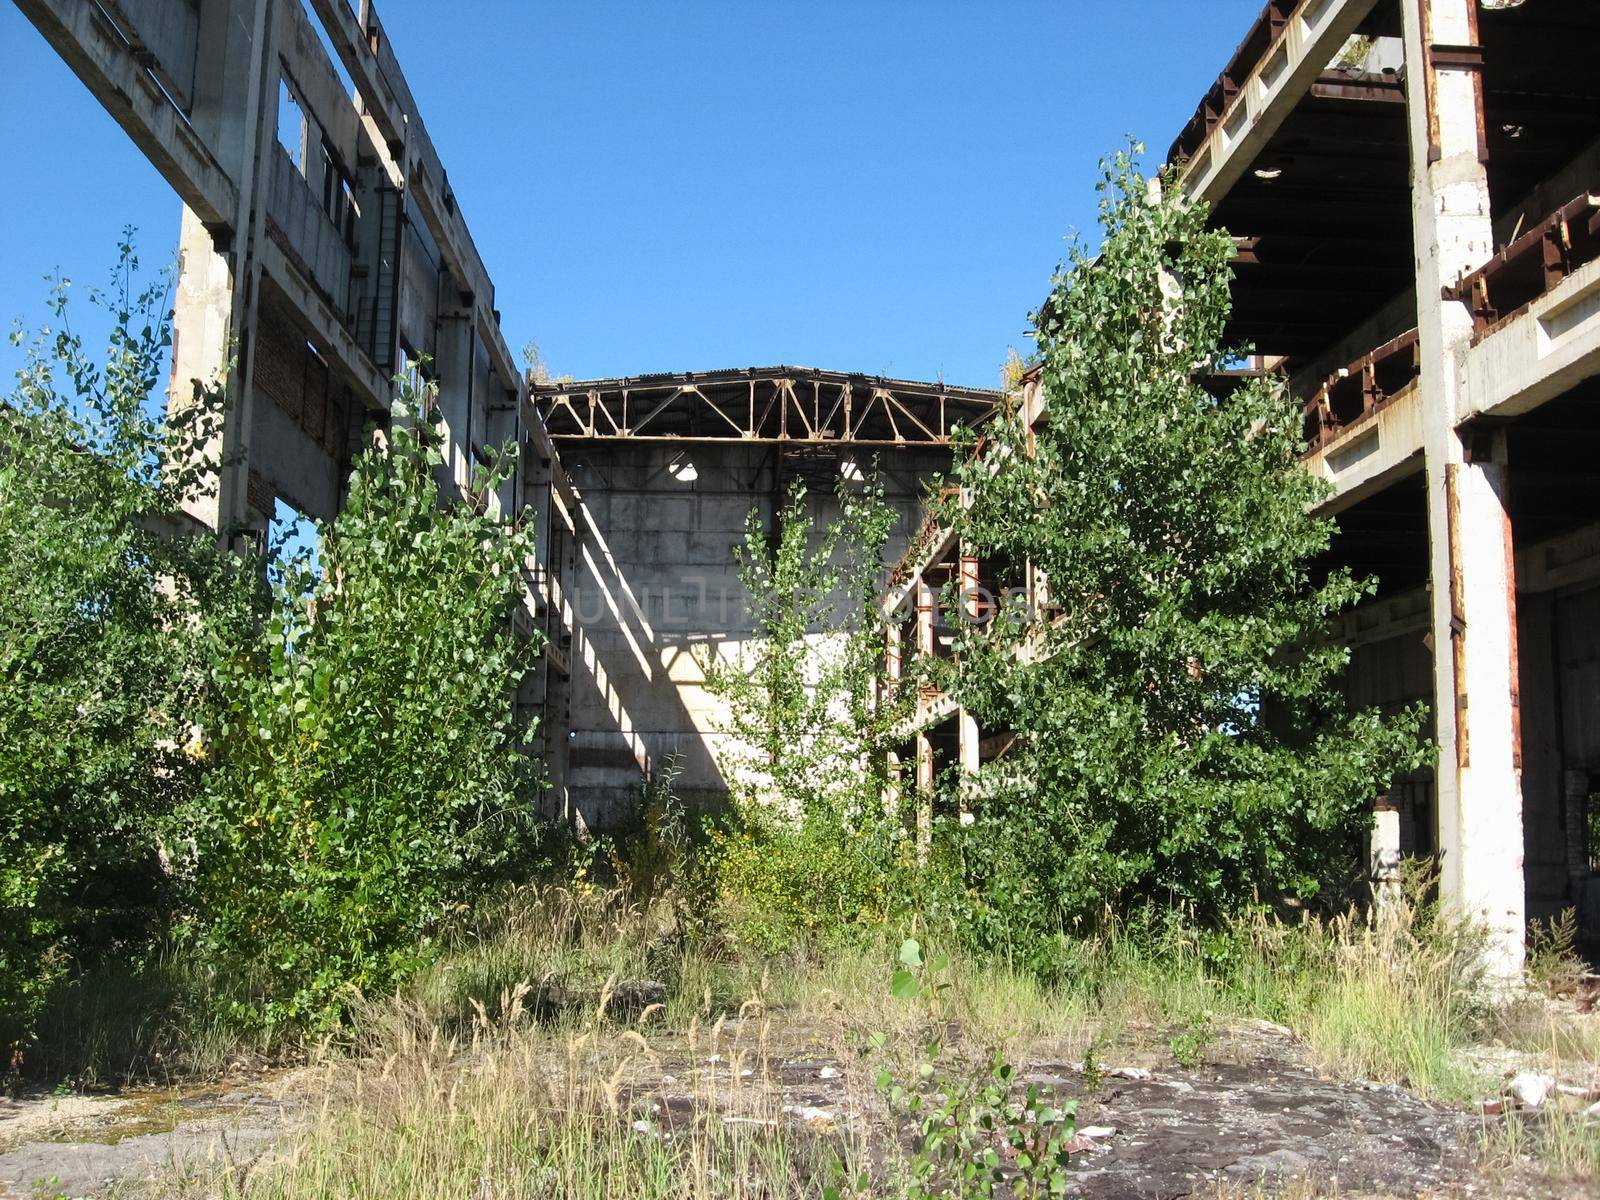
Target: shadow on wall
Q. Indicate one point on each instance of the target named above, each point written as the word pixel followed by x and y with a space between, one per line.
pixel 656 585
pixel 626 711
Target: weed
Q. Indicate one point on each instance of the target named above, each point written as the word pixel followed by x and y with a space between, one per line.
pixel 1554 964
pixel 975 1136
pixel 1558 1138
pixel 1189 1047
pixel 1093 1071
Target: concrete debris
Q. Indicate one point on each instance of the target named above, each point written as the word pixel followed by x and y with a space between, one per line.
pixel 1137 1074
pixel 1529 1089
pixel 1270 1027
pixel 809 1113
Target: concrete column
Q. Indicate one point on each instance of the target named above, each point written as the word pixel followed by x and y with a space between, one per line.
pixel 203 341
pixel 891 785
pixel 1473 591
pixel 214 311
pixel 924 796
pixel 926 602
pixel 456 340
pixel 969 584
pixel 966 723
pixel 502 414
pixel 1384 855
pixel 967 737
pixel 967 740
pixel 893 648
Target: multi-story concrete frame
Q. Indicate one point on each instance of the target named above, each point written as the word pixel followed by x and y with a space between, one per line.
pixel 1413 185
pixel 322 254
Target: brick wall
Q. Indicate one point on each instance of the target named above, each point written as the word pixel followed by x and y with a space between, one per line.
pixel 297 380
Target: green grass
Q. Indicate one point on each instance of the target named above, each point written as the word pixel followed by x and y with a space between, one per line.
pixel 154 1022
pixel 1557 1139
pixel 1390 999
pixel 454 1079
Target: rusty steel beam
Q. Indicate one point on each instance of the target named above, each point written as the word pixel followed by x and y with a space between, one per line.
pixel 1530 266
pixel 1372 381
pixel 790 405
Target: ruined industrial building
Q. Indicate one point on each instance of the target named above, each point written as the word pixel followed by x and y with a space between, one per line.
pixel 1414 190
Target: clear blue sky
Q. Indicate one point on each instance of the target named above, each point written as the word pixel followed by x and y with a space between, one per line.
pixel 851 184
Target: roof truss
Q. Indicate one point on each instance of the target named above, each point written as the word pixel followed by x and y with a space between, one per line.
pixel 798 405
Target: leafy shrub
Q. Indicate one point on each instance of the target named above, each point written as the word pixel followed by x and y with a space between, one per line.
pixel 1181 733
pixel 370 775
pixel 975 1134
pixel 806 733
pixel 783 881
pixel 1555 964
pixel 112 609
pixel 809 848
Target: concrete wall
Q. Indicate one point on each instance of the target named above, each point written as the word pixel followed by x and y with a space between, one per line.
pixel 656 588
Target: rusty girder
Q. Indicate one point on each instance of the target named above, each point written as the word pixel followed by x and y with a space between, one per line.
pixel 772 404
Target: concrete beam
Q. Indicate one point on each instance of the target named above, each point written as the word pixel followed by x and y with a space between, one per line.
pixel 102 58
pixel 944 541
pixel 1541 354
pixel 1371 452
pixel 387 99
pixel 344 354
pixel 1567 561
pixel 1382 620
pixel 1316 32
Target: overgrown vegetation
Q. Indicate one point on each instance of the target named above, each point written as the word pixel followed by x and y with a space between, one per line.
pixel 113 614
pixel 810 848
pixel 471 1081
pixel 288 788
pixel 257 799
pixel 370 777
pixel 1181 738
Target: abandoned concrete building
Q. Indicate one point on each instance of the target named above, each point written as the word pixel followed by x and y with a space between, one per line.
pixel 1412 188
pixel 1412 185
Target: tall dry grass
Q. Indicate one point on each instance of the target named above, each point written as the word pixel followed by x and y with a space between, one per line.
pixel 518 1110
pixel 465 1085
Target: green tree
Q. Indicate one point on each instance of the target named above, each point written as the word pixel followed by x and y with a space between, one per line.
pixel 809 733
pixel 371 776
pixel 1182 737
pixel 112 608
